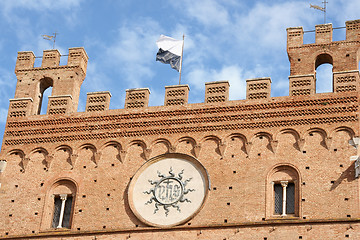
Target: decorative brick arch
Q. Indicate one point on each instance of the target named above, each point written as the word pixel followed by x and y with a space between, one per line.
pixel 323 58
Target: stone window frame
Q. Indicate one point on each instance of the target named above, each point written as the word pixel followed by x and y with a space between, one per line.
pixel 60 188
pixel 283 174
pixel 63 220
pixel 284 186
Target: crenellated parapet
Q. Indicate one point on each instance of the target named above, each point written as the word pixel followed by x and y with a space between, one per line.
pixel 59 104
pixel 258 88
pixel 77 57
pixel 67 79
pixel 217 92
pixel 20 107
pixel 98 101
pixel 137 98
pixel 176 95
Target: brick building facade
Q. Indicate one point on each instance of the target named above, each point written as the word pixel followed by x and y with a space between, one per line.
pixel 260 168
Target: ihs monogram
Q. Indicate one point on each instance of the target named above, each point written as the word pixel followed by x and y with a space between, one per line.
pixel 169 191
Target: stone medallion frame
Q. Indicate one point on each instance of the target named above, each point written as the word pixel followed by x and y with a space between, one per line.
pixel 168 190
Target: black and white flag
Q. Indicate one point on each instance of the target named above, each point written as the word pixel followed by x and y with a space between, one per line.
pixel 169 51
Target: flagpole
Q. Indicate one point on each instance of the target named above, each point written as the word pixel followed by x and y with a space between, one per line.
pixel 182 51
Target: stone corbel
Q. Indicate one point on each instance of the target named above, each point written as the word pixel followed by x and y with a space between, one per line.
pixel 172 149
pixel 24 162
pixel 121 156
pixel 328 142
pixel 196 150
pixel 147 153
pixel 48 160
pixel 274 144
pixel 301 144
pixel 96 157
pixel 222 148
pixel 73 158
pixel 248 146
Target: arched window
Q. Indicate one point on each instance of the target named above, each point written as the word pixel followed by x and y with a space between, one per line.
pixel 45 89
pixel 283 192
pixel 324 73
pixel 62 197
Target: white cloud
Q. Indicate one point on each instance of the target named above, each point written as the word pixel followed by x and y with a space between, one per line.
pixel 132 51
pixel 265 24
pixel 345 10
pixel 233 74
pixel 208 12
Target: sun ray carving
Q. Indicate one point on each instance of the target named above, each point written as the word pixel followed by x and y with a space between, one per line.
pixel 169 191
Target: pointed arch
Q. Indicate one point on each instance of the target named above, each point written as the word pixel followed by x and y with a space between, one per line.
pixel 166 142
pixel 64 147
pixel 140 143
pixel 19 152
pixel 236 135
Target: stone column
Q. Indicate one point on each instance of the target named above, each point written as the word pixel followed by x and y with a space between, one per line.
pixel 284 185
pixel 63 198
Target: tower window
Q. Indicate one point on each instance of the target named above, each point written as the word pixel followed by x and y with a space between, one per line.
pixel 62 211
pixel 284 198
pixel 59 205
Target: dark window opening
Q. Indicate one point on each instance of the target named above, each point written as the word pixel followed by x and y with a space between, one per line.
pixel 289 201
pixel 62 211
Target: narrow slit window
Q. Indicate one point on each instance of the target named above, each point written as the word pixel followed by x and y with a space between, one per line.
pixel 290 198
pixel 278 198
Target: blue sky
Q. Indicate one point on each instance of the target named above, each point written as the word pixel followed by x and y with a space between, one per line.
pixel 224 40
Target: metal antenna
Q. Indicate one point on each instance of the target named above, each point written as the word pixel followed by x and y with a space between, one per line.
pixel 323 9
pixel 51 38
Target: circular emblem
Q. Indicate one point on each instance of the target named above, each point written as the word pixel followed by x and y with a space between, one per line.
pixel 168 190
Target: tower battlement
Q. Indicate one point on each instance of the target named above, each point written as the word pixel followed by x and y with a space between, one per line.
pixel 305 58
pixel 323 34
pixel 77 57
pixel 33 81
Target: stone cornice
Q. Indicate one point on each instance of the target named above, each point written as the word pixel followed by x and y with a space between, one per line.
pixel 182 129
pixel 262 116
pixel 313 45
